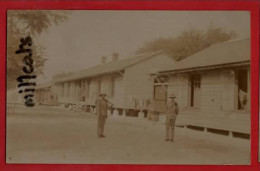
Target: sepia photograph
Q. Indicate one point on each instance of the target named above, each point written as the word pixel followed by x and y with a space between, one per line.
pixel 128 87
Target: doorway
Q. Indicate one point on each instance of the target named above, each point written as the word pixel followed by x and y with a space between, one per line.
pixel 194 82
pixel 242 89
pixel 160 98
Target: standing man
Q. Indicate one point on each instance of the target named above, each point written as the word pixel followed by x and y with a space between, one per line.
pixel 101 108
pixel 172 110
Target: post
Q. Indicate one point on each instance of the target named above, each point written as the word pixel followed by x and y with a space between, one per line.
pixel 205 131
pixel 141 114
pixel 124 112
pixel 230 134
pixel 115 113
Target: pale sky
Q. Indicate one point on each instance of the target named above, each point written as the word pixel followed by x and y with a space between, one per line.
pixel 79 42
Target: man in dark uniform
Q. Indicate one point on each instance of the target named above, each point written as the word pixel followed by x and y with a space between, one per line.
pixel 172 110
pixel 101 109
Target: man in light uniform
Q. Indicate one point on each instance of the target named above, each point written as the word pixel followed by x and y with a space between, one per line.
pixel 172 110
pixel 101 109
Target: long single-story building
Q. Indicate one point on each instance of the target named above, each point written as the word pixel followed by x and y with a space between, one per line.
pixel 127 82
pixel 45 94
pixel 212 88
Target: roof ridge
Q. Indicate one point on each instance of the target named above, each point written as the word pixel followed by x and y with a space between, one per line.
pixel 220 54
pixel 231 41
pixel 100 64
pixel 123 63
pixel 217 45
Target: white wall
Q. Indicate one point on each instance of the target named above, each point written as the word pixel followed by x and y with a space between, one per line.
pixel 138 83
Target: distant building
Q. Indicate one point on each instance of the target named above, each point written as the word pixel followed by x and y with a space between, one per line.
pixel 127 82
pixel 45 94
pixel 212 88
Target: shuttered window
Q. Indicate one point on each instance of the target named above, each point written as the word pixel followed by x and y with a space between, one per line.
pixel 62 89
pixel 112 88
pixel 86 88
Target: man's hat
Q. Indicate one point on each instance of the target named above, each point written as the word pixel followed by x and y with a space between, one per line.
pixel 172 96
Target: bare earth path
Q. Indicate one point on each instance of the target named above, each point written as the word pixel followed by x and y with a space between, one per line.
pixel 51 135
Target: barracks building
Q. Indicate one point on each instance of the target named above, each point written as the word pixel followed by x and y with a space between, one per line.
pixel 212 86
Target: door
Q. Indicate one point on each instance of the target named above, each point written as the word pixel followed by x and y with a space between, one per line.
pixel 195 90
pixel 160 98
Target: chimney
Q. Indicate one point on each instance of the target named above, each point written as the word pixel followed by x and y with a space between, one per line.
pixel 103 59
pixel 115 57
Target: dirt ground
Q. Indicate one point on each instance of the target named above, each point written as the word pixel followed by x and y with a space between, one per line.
pixel 49 135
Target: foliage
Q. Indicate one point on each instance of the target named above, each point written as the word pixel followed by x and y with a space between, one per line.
pixel 21 23
pixel 188 42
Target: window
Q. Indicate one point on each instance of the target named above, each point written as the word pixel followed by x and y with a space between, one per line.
pixel 78 88
pixel 87 87
pixel 68 89
pixel 82 87
pixel 98 86
pixel 62 89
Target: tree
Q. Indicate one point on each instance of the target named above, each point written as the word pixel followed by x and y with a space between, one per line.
pixel 22 23
pixel 188 42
